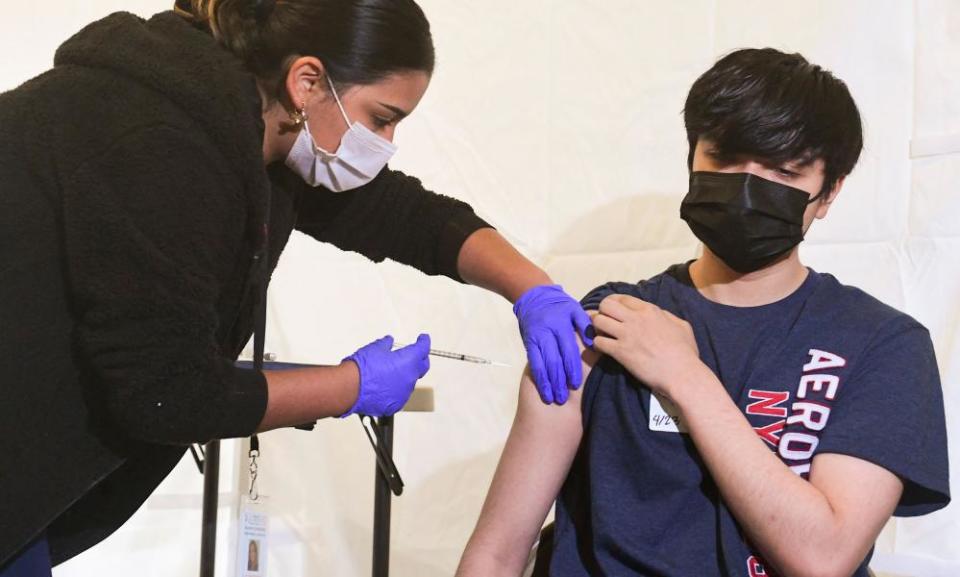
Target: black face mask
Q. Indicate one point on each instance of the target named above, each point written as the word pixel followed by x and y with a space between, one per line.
pixel 747 221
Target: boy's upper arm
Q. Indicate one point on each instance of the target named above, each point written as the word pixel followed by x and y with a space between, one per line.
pixel 537 456
pixel 544 440
pixel 531 406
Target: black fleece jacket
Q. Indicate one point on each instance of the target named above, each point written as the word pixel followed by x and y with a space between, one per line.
pixel 133 213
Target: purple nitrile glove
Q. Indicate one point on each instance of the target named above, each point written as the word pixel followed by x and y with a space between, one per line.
pixel 387 377
pixel 550 319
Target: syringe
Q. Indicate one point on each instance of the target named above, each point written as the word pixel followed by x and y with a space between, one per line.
pixel 460 357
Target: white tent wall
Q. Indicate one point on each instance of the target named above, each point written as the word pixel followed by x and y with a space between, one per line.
pixel 559 121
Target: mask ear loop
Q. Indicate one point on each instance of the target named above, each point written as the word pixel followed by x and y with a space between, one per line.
pixel 339 104
pixel 820 194
pixel 816 198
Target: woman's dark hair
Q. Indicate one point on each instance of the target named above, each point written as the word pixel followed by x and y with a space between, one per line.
pixel 776 106
pixel 358 41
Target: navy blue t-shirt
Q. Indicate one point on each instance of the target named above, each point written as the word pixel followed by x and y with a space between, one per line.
pixel 828 369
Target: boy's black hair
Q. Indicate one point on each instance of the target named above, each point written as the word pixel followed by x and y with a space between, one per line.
pixel 776 106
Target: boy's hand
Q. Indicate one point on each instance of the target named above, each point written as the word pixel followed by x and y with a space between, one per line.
pixel 658 348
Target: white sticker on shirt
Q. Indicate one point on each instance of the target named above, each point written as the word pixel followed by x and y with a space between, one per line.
pixel 664 416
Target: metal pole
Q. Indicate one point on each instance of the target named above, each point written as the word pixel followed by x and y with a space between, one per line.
pixel 211 493
pixel 382 498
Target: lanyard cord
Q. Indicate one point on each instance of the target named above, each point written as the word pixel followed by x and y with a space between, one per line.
pixel 262 263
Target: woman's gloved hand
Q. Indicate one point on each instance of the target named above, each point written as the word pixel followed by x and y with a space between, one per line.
pixel 387 377
pixel 550 320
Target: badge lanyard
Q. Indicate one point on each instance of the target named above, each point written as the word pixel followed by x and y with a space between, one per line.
pixel 254 519
pixel 262 258
pixel 259 334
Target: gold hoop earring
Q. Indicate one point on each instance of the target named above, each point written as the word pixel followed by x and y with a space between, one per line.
pixel 299 116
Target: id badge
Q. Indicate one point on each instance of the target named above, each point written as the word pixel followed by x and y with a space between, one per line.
pixel 664 416
pixel 253 533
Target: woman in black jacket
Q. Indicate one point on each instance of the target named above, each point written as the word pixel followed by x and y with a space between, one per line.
pixel 149 183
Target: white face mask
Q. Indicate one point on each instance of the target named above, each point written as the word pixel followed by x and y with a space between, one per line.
pixel 360 157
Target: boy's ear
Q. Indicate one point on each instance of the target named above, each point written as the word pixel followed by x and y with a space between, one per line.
pixel 829 197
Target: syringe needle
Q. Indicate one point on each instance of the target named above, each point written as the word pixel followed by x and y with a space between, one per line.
pixel 459 357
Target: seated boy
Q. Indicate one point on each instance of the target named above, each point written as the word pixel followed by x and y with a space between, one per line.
pixel 743 415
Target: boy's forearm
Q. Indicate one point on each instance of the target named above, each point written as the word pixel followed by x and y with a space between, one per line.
pixel 789 519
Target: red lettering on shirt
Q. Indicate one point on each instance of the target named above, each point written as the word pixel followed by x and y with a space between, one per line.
pixel 771 432
pixel 755 568
pixel 769 403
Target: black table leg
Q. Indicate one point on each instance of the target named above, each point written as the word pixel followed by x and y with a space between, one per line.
pixel 211 493
pixel 381 507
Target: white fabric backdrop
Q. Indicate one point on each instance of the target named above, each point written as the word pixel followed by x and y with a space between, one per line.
pixel 559 121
